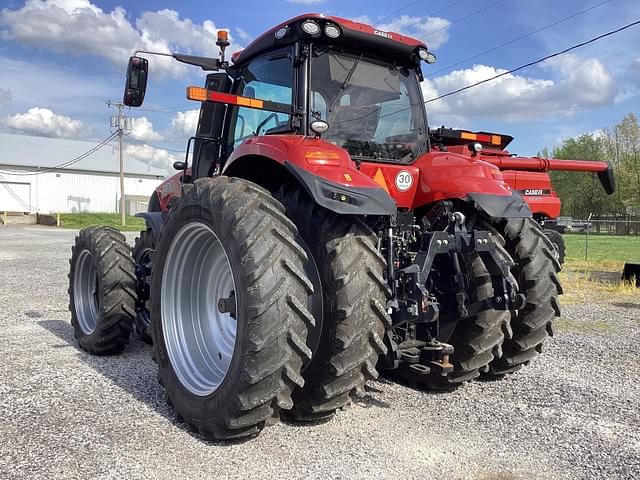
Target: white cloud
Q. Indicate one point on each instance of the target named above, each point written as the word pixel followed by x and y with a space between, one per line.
pixel 76 95
pixel 432 30
pixel 80 27
pixel 362 19
pixel 156 157
pixel 243 34
pixel 184 123
pixel 44 123
pixel 143 130
pixel 5 96
pixel 578 85
pixel 629 80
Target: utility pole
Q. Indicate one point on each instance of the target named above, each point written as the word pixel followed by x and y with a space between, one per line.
pixel 121 123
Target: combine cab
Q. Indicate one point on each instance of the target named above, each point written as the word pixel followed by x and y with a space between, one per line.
pixel 319 235
pixel 527 176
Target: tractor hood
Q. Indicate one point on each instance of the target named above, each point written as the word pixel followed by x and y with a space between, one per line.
pixel 439 176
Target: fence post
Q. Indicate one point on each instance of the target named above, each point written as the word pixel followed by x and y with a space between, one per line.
pixel 586 242
pixel 4 219
pixel 58 219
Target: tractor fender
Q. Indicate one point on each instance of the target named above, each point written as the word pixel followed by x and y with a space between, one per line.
pixel 331 177
pixel 153 220
pixel 346 200
pixel 501 206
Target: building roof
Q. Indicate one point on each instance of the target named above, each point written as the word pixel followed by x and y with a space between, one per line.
pixel 43 152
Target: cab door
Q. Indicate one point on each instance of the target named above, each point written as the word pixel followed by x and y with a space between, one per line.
pixel 268 77
pixel 208 142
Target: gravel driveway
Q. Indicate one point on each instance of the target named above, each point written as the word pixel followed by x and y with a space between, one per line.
pixel 573 414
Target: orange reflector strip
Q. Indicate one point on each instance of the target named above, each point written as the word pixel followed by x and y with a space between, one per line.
pixel 496 140
pixel 468 135
pixel 198 94
pixel 347 177
pixel 321 157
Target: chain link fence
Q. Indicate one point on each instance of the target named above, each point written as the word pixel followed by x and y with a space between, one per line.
pixel 608 226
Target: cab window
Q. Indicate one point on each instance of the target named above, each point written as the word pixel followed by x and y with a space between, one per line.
pixel 269 77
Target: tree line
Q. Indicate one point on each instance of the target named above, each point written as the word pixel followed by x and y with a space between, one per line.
pixel 581 193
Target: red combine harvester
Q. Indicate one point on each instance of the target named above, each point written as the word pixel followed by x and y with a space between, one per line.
pixel 526 175
pixel 319 234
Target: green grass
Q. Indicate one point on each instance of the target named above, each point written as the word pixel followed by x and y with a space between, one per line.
pixel 78 221
pixel 606 252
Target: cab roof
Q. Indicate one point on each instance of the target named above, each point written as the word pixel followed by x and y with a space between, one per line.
pixel 395 46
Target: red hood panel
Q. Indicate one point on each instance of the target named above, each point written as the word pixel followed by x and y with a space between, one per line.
pixel 437 176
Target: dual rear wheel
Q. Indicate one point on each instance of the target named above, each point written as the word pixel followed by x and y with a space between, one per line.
pixel 261 309
pixel 267 303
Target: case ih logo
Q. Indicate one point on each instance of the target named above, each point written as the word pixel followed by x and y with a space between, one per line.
pixel 380 33
pixel 166 189
pixel 533 192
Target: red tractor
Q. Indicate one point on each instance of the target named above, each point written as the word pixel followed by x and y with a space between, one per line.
pixel 527 176
pixel 316 235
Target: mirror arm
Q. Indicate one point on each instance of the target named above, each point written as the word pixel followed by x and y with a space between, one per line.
pixel 205 63
pixel 152 53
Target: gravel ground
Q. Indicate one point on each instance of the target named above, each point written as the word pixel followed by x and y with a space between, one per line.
pixel 573 414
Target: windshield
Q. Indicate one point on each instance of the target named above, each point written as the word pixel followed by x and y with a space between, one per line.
pixel 374 110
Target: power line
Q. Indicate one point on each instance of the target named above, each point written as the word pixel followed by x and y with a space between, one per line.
pixel 486 7
pixel 514 40
pixel 15 196
pixel 142 142
pixel 521 67
pixel 67 163
pixel 396 12
pixel 413 3
pixel 123 123
pixel 540 60
pixel 167 110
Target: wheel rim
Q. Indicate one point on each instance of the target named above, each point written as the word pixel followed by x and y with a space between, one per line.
pixel 85 292
pixel 200 340
pixel 556 250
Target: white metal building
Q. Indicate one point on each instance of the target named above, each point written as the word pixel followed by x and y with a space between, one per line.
pixel 29 184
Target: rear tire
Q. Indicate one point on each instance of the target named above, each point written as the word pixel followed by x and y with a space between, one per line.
pixel 101 290
pixel 536 271
pixel 558 244
pixel 229 225
pixel 354 297
pixel 143 251
pixel 476 340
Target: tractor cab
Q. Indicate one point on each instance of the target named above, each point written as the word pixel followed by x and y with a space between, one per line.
pixel 352 85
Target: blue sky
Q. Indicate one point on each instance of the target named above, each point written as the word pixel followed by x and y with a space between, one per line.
pixel 63 59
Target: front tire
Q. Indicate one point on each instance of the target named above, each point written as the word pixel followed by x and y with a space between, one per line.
pixel 101 290
pixel 229 308
pixel 353 322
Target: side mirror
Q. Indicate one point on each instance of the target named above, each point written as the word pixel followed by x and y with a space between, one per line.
pixel 179 165
pixel 136 85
